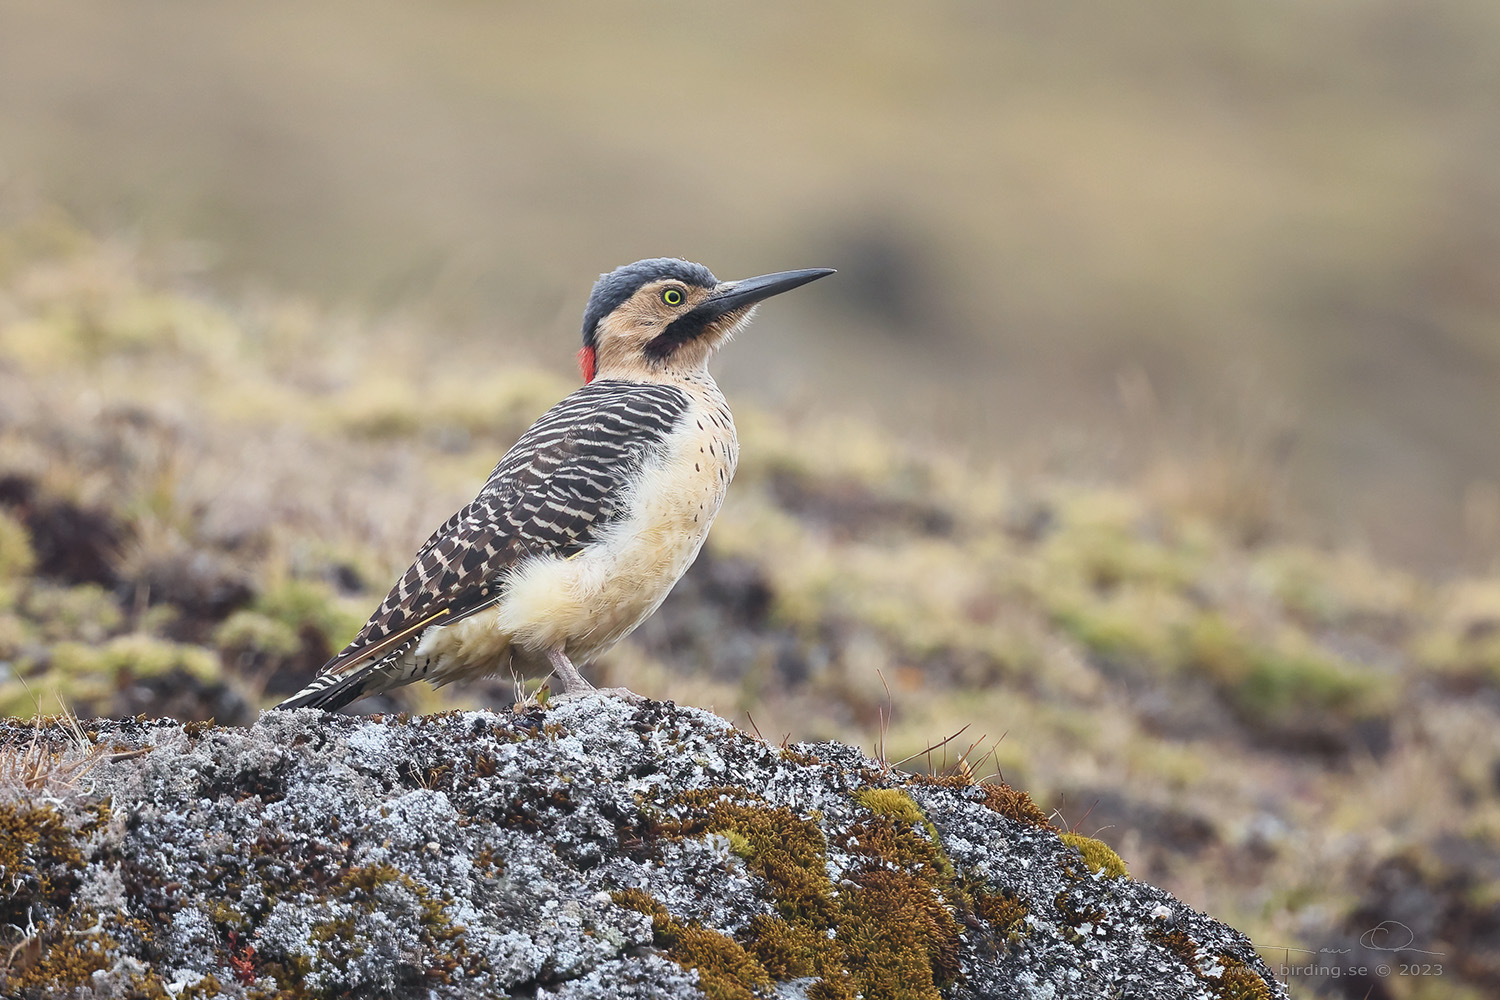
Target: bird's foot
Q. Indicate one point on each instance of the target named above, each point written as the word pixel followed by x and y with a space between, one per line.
pixel 624 694
pixel 574 684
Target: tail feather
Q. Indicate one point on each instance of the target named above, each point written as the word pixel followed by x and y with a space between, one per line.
pixel 344 680
pixel 370 669
pixel 331 691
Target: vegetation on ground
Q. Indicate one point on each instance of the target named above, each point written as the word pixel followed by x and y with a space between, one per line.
pixel 200 502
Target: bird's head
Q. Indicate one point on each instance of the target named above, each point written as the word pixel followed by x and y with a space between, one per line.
pixel 666 315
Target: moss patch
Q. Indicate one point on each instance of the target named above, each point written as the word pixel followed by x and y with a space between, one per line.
pixel 1239 982
pixel 1098 855
pixel 899 934
pixel 41 857
pixel 59 958
pixel 784 849
pixel 1016 805
pixel 891 802
pixel 1227 978
pixel 890 930
pixel 1004 911
pixel 16 556
pixel 726 971
pixel 41 863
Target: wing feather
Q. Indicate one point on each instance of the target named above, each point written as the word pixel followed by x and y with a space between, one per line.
pixel 565 479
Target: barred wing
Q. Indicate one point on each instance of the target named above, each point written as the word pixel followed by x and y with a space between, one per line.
pixel 563 481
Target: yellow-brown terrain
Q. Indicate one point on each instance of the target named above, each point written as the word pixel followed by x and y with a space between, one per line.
pixel 201 498
pixel 1143 449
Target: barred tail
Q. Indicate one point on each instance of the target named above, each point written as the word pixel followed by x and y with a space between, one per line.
pixel 331 691
pixel 344 679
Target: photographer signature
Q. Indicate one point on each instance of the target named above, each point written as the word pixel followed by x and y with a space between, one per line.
pixel 1388 935
pixel 1392 935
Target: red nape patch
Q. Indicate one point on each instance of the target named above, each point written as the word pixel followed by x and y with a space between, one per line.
pixel 586 363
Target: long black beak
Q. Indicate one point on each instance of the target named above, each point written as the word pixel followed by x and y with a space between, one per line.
pixel 734 295
pixel 727 298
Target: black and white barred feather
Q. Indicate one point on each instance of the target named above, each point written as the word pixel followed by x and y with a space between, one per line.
pixel 565 479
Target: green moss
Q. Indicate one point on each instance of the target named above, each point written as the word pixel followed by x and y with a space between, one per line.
pixel 1098 855
pixel 726 971
pixel 16 557
pixel 42 861
pixel 1239 982
pixel 305 605
pixel 88 675
pixel 206 988
pixel 896 805
pixel 87 613
pixel 788 950
pixel 41 856
pixel 901 940
pixel 889 931
pixel 253 632
pixel 64 960
pixel 739 844
pixel 1005 911
pixel 892 802
pixel 784 849
pixel 897 924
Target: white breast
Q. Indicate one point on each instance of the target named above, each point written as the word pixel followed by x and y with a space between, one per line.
pixel 590 601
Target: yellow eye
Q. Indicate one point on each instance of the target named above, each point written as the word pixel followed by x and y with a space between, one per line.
pixel 672 297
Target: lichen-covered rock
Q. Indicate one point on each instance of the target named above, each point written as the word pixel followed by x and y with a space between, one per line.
pixel 595 849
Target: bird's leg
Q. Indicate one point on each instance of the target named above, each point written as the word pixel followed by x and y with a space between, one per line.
pixel 574 683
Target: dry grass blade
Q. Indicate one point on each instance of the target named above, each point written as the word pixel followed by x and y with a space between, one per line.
pixel 931 747
pixel 524 698
pixel 751 719
pixel 991 754
pixel 1075 826
pixel 35 767
pixel 885 719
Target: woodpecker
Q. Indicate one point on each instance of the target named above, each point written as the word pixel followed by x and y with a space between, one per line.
pixel 591 517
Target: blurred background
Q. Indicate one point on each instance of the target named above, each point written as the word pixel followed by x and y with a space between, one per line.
pixel 1068 235
pixel 1160 377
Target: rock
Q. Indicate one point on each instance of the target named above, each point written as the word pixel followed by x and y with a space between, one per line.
pixel 594 849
